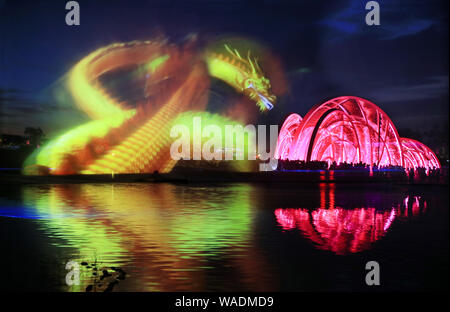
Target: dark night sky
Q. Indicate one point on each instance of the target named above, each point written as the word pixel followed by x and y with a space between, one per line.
pixel 401 65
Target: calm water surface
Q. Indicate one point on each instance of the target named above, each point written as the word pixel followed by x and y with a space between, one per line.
pixel 230 237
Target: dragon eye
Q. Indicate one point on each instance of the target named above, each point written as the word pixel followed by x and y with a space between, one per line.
pixel 249 84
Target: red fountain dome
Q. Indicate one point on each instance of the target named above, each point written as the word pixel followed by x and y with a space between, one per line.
pixel 349 129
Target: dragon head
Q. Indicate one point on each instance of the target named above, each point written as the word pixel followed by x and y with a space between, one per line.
pixel 258 91
pixel 253 83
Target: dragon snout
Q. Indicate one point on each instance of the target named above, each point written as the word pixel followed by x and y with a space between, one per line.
pixel 265 101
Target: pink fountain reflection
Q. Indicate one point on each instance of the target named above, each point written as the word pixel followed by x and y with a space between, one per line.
pixel 345 231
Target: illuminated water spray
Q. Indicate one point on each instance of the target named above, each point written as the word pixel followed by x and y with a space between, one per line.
pixel 352 130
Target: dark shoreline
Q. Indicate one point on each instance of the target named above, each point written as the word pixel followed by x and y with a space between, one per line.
pixel 207 176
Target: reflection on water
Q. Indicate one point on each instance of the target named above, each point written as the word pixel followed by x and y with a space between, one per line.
pixel 208 237
pixel 155 226
pixel 345 230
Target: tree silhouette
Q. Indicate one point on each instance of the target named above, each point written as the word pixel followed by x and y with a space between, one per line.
pixel 34 135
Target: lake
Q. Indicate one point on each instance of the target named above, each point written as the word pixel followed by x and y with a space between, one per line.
pixel 223 237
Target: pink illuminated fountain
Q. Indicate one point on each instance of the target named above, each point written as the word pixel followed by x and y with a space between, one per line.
pixel 352 130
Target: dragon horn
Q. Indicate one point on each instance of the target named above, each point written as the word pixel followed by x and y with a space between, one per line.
pixel 237 53
pixel 233 52
pixel 250 62
pixel 257 64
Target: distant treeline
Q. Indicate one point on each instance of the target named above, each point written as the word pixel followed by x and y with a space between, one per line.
pixel 14 158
